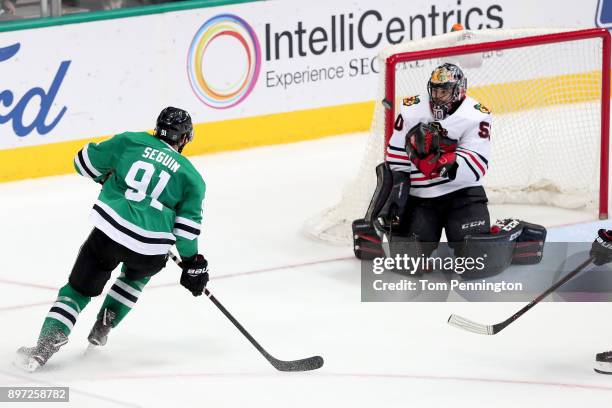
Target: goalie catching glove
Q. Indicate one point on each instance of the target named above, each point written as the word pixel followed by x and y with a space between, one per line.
pixel 431 150
pixel 195 274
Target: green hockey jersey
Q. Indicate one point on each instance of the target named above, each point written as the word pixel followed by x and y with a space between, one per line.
pixel 152 198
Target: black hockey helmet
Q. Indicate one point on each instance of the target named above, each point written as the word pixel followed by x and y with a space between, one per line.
pixel 172 124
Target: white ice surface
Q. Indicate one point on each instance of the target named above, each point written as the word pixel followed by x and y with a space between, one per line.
pixel 297 296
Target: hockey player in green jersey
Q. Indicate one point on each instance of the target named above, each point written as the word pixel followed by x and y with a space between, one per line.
pixel 151 199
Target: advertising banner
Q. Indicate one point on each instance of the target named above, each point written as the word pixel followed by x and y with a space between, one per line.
pixel 250 74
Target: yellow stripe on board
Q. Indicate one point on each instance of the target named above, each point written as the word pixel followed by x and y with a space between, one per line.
pixel 39 161
pixel 57 158
pixel 280 128
pixel 538 93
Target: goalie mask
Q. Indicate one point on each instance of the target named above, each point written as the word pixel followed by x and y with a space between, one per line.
pixel 446 87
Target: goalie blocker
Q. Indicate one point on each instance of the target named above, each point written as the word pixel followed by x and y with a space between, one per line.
pixel 510 241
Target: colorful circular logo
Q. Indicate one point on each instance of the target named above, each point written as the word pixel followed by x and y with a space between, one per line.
pixel 224 61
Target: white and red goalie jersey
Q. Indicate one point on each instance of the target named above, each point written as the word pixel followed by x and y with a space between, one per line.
pixel 469 125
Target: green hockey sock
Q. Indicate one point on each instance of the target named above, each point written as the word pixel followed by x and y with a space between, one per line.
pixel 65 311
pixel 122 296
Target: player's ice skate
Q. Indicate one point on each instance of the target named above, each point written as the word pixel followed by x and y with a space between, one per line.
pixel 99 332
pixel 32 358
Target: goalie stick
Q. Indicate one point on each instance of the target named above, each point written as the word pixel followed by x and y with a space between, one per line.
pixel 305 364
pixel 469 325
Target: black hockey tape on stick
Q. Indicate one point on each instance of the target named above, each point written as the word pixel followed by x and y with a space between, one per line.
pixel 474 327
pixel 305 364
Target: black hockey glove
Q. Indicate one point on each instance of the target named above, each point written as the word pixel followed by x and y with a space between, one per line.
pixel 601 250
pixel 195 274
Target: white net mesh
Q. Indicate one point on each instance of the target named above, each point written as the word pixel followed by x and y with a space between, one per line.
pixel 545 135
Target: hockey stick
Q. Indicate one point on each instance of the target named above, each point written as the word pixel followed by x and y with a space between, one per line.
pixel 469 325
pixel 305 364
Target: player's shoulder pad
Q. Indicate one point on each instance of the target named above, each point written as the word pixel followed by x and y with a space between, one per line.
pixel 475 107
pixel 411 100
pixel 129 136
pixel 192 172
pixel 120 139
pixel 473 111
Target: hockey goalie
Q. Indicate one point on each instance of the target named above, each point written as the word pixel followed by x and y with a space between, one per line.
pixel 431 181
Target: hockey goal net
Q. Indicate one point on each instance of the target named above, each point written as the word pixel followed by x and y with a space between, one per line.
pixel 549 91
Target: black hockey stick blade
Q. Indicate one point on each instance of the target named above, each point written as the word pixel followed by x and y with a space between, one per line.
pixel 305 364
pixel 478 328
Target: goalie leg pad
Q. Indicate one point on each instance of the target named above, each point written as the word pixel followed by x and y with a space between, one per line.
pixel 496 248
pixel 529 247
pixel 397 201
pixel 510 241
pixel 390 198
pixel 366 242
pixel 384 184
pixel 387 205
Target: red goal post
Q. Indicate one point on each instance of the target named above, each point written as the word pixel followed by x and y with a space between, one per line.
pixel 393 60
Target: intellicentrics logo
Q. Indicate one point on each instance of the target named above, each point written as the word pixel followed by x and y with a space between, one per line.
pixel 224 61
